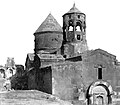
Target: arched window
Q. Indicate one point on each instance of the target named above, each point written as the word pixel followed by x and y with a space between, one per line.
pixel 69 16
pixel 2 73
pixel 9 73
pixel 70 22
pixel 78 37
pixel 70 28
pixel 84 26
pixel 78 28
pixel 100 73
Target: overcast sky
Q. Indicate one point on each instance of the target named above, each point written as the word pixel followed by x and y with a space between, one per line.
pixel 19 19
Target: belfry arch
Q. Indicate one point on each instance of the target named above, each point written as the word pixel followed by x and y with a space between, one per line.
pixel 99 93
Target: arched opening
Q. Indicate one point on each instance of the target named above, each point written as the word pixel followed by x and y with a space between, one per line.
pixel 70 28
pixel 99 100
pixel 78 26
pixel 9 73
pixel 99 93
pixel 2 73
pixel 79 37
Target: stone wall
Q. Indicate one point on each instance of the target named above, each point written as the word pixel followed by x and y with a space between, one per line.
pixel 48 41
pixel 96 58
pixel 67 78
pixel 40 79
pixel 70 76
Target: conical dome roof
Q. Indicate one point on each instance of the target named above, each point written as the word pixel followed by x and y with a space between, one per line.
pixel 49 24
pixel 73 10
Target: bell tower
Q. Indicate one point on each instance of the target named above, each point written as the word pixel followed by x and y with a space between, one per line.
pixel 74 33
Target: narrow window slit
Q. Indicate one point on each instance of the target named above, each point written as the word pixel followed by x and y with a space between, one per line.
pixel 99 73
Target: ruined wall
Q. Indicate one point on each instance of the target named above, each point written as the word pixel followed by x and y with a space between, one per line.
pixel 40 79
pixel 32 84
pixel 45 81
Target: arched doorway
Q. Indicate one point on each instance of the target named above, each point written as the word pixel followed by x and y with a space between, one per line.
pixel 99 93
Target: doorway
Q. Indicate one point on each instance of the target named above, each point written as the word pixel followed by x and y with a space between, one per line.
pixel 99 93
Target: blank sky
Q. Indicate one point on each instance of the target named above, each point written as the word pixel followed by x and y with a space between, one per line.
pixel 19 19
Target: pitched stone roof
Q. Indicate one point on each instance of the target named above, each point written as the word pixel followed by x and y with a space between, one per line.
pixel 102 52
pixel 49 24
pixel 73 10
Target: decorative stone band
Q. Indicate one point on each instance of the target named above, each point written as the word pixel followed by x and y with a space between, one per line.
pixel 97 83
pixel 42 32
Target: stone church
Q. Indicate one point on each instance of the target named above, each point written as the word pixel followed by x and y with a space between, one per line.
pixel 63 65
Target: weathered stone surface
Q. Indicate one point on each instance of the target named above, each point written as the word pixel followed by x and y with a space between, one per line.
pixel 48 37
pixel 66 78
pixel 71 75
pixel 48 42
pixel 29 97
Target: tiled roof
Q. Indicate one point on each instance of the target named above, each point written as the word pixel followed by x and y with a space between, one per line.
pixel 49 24
pixel 73 10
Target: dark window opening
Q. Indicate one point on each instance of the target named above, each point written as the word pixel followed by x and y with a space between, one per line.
pixel 65 56
pixel 45 80
pixel 69 16
pixel 78 37
pixel 99 73
pixel 70 22
pixel 54 52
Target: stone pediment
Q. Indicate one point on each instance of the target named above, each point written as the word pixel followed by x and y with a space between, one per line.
pixel 101 52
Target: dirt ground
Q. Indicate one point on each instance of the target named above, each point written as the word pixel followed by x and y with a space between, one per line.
pixel 29 97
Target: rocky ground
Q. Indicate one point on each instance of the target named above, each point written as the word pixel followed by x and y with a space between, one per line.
pixel 34 97
pixel 29 97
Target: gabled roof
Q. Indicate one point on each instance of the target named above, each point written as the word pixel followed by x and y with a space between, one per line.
pixel 73 10
pixel 105 53
pixel 49 24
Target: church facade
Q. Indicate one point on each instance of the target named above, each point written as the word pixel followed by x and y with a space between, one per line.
pixel 63 65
